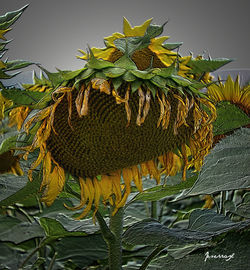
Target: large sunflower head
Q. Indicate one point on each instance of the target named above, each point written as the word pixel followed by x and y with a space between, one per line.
pixel 133 110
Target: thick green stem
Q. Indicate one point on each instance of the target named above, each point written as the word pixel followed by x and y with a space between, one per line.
pixel 113 237
pixel 115 245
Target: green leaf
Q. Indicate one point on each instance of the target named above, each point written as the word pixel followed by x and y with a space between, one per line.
pixel 152 87
pixel 162 191
pixel 208 221
pixel 19 190
pixel 22 232
pixel 229 117
pixel 231 253
pixel 54 229
pixel 226 167
pixel 172 46
pixel 143 74
pixel 114 72
pixel 23 97
pixel 11 17
pixel 207 65
pixel 152 233
pixel 16 64
pixel 83 251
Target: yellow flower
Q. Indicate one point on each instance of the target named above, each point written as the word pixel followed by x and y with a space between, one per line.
pixel 231 91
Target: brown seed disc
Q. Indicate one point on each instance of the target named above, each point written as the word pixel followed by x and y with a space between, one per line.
pixel 101 143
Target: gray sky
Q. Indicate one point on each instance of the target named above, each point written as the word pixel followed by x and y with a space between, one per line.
pixel 51 31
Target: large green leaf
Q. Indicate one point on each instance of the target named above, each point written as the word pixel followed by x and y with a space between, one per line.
pixel 231 253
pixel 55 230
pixel 16 64
pixel 22 232
pixel 82 251
pixel 226 167
pixel 209 221
pixel 229 117
pixel 151 232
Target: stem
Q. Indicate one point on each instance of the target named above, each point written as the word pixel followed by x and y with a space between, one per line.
pixel 115 245
pixel 154 209
pixel 150 257
pixel 113 237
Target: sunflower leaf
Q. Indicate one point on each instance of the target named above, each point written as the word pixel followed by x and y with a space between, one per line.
pixel 226 167
pixel 229 117
pixel 166 72
pixel 159 81
pixel 7 141
pixel 117 82
pixel 180 80
pixel 125 62
pixel 207 65
pixel 87 73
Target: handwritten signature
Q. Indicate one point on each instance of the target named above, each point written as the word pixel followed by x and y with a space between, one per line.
pixel 218 256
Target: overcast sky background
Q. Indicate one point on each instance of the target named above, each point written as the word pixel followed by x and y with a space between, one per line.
pixel 51 31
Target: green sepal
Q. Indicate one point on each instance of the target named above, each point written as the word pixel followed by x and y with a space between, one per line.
pixel 171 46
pixel 117 82
pixel 207 65
pixel 129 45
pixel 135 85
pixel 99 74
pixel 151 87
pixel 159 81
pixel 95 63
pixel 114 72
pixel 11 17
pixel 54 77
pixel 166 72
pixel 70 75
pixel 128 76
pixel 143 74
pixel 154 30
pixel 125 62
pixel 181 80
pixel 7 141
pixel 87 73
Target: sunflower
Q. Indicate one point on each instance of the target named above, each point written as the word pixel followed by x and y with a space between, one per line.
pixel 126 114
pixel 231 91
